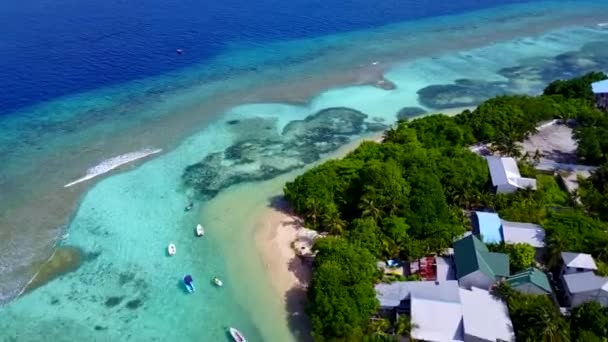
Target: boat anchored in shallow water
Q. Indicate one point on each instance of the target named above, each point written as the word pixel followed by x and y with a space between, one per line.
pixel 217 281
pixel 200 231
pixel 171 249
pixel 189 283
pixel 237 335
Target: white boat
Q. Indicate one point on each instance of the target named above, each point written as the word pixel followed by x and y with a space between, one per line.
pixel 237 335
pixel 217 281
pixel 200 231
pixel 171 249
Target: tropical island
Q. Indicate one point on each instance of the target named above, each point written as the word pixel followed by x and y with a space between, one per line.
pixel 467 227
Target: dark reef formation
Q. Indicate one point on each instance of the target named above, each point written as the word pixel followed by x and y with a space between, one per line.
pixel 529 77
pixel 260 151
pixel 410 112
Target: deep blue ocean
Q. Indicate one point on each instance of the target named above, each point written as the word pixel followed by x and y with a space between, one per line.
pixel 51 48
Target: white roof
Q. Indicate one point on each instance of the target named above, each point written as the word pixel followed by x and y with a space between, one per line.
pixel 504 171
pixel 579 260
pixel 585 282
pixel 436 320
pixel 485 317
pixel 391 295
pixel 518 232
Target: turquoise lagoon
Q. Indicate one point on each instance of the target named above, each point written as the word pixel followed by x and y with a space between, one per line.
pixel 126 287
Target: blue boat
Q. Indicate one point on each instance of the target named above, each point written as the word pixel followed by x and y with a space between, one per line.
pixel 189 283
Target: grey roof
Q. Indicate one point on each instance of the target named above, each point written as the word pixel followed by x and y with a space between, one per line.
pixel 504 171
pixel 579 260
pixel 445 268
pixel 485 317
pixel 391 295
pixel 518 232
pixel 585 281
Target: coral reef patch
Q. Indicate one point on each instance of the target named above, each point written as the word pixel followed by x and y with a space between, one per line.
pixel 261 151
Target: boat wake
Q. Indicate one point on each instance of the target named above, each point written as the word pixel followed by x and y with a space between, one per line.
pixel 112 163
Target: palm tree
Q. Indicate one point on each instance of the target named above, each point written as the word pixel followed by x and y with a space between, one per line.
pixel 508 145
pixel 378 326
pixel 333 223
pixel 369 208
pixel 555 245
pixel 313 211
pixel 404 326
pixel 549 327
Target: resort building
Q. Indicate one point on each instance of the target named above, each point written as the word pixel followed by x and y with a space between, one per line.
pixel 491 229
pixel 530 281
pixel 441 311
pixel 577 263
pixel 476 266
pixel 600 92
pixel 485 318
pixel 584 287
pixel 506 177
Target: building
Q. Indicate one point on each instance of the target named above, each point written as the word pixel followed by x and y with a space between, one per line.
pixel 485 318
pixel 491 229
pixel 476 266
pixel 600 92
pixel 520 232
pixel 434 307
pixel 441 311
pixel 584 287
pixel 530 281
pixel 506 177
pixel 577 263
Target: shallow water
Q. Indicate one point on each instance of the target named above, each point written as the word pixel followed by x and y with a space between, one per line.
pixel 127 288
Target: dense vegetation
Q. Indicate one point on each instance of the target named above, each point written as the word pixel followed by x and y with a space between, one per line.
pixel 403 198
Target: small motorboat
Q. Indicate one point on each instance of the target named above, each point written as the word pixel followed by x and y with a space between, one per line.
pixel 217 281
pixel 179 51
pixel 171 249
pixel 189 283
pixel 237 335
pixel 200 231
pixel 189 206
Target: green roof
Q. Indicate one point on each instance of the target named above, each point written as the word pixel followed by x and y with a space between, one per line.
pixel 470 255
pixel 530 276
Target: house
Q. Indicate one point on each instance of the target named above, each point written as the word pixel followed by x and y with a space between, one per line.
pixel 519 232
pixel 506 177
pixel 600 93
pixel 492 229
pixel 397 295
pixel 577 263
pixel 434 307
pixel 485 318
pixel 530 281
pixel 441 311
pixel 436 320
pixel 584 287
pixel 476 266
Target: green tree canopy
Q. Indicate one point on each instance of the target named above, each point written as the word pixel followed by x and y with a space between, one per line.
pixel 341 294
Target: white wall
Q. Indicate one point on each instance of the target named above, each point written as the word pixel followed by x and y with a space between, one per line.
pixel 531 289
pixel 598 296
pixel 476 279
pixel 505 189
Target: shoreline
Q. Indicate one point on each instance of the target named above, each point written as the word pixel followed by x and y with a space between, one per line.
pixel 28 189
pixel 276 229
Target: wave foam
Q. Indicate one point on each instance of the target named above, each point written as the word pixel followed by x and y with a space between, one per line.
pixel 112 163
